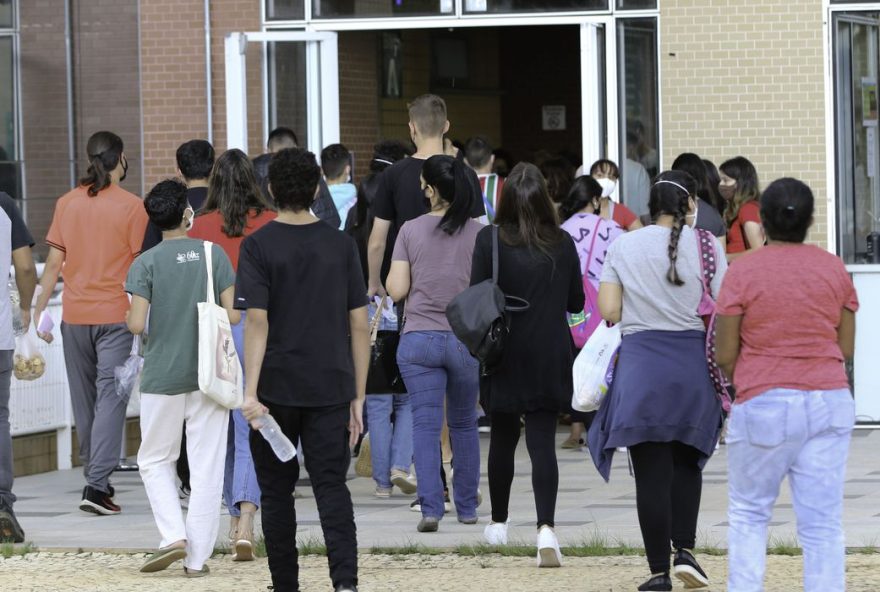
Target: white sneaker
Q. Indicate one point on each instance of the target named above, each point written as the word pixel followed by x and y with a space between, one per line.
pixel 549 554
pixel 495 533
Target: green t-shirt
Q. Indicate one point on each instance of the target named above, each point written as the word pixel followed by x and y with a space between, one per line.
pixel 173 277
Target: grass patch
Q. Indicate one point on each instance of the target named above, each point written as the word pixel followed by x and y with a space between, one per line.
pixel 409 548
pixel 784 546
pixel 311 546
pixel 8 550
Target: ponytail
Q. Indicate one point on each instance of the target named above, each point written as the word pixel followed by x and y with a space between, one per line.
pixel 670 195
pixel 449 177
pixel 674 236
pixel 104 150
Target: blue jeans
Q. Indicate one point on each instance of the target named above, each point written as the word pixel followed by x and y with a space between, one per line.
pixel 240 479
pixel 391 448
pixel 436 367
pixel 805 436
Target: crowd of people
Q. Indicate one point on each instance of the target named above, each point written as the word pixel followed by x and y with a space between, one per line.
pixel 323 280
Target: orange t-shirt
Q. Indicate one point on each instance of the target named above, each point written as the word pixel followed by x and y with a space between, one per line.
pixel 209 227
pixel 100 237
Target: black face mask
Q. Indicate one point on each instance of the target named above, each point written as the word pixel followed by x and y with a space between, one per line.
pixel 124 169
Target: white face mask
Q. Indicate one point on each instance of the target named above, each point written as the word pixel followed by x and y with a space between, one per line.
pixel 608 186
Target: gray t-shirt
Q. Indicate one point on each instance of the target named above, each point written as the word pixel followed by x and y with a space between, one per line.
pixel 440 269
pixel 173 277
pixel 639 261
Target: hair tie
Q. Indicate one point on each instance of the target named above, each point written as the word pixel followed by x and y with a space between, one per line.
pixel 382 160
pixel 672 183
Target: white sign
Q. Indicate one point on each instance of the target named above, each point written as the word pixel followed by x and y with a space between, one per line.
pixel 446 6
pixel 476 6
pixel 553 117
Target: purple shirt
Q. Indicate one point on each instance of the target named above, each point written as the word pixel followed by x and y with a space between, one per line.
pixel 581 228
pixel 440 269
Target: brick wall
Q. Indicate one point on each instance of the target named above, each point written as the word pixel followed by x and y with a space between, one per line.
pixel 359 96
pixel 747 80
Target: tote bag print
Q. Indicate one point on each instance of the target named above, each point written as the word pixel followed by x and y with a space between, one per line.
pixel 220 375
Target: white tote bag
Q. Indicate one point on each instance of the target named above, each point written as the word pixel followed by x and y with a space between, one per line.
pixel 591 368
pixel 220 374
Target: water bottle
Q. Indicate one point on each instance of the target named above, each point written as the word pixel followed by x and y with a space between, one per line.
pixel 271 431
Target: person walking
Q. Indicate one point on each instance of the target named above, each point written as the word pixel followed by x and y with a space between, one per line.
pixel 166 283
pixel 537 262
pixel 307 352
pixel 786 325
pixel 661 403
pixel 741 191
pixel 430 266
pixel 15 251
pixel 95 258
pixel 235 208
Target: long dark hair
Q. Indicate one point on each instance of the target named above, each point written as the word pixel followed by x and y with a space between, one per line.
pixel 714 179
pixel 559 175
pixel 747 187
pixel 669 195
pixel 448 176
pixel 584 191
pixel 104 150
pixel 233 191
pixel 526 215
pixel 693 165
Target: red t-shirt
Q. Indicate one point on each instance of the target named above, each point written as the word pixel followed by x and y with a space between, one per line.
pixel 623 215
pixel 736 239
pixel 790 298
pixel 210 227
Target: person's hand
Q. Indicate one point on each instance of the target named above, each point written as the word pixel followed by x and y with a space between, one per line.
pixel 25 317
pixel 376 290
pixel 356 422
pixel 252 409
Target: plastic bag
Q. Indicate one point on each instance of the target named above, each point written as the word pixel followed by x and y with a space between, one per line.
pixel 594 368
pixel 126 375
pixel 28 362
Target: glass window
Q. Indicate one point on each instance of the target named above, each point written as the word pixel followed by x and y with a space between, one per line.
pixel 9 178
pixel 480 6
pixel 6 14
pixel 285 10
pixel 380 8
pixel 636 4
pixel 638 110
pixel 287 88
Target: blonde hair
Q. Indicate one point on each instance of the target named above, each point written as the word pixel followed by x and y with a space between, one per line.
pixel 428 114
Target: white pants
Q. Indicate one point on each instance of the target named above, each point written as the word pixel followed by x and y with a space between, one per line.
pixel 162 418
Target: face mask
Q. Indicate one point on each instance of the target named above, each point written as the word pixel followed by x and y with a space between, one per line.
pixel 608 186
pixel 124 169
pixel 693 223
pixel 727 191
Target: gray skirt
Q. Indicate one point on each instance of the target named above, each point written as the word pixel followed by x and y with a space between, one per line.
pixel 661 392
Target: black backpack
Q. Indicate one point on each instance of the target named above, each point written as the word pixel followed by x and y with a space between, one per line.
pixel 478 316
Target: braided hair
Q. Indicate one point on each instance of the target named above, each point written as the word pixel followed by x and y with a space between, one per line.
pixel 670 195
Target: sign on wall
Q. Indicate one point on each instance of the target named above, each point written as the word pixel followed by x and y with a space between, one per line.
pixel 553 118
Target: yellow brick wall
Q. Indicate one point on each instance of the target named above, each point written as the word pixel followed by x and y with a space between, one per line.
pixel 746 78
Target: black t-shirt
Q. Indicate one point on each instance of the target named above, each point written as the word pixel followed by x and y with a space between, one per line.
pixel 307 277
pixel 400 198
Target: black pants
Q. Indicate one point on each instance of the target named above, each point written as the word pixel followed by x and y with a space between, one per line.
pixel 541 444
pixel 669 484
pixel 323 434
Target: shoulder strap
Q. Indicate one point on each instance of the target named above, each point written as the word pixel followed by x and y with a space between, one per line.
pixel 706 255
pixel 511 303
pixel 208 246
pixel 592 244
pixel 494 254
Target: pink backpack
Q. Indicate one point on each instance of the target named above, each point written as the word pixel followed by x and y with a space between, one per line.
pixel 706 310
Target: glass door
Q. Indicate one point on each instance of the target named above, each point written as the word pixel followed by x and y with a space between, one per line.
pixel 858 138
pixel 303 85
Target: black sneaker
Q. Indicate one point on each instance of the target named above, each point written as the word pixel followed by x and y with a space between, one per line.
pixel 686 569
pixel 10 529
pixel 98 502
pixel 659 583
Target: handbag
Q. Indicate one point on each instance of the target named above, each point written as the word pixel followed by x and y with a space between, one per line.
pixel 584 323
pixel 383 376
pixel 593 368
pixel 706 310
pixel 478 316
pixel 220 374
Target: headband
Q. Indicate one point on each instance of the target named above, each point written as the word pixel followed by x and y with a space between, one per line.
pixel 673 183
pixel 382 160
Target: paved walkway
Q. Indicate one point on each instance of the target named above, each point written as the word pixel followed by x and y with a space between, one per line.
pixel 588 508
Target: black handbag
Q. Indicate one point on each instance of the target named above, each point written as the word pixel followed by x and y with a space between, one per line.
pixel 384 374
pixel 478 316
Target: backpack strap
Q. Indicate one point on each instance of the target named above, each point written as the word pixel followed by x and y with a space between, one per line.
pixel 592 244
pixel 706 253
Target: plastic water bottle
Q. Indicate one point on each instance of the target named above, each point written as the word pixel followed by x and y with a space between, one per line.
pixel 271 431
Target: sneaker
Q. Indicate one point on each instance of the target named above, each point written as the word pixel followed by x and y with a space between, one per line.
pixel 428 524
pixel 471 520
pixel 383 492
pixel 549 554
pixel 495 533
pixel 404 482
pixel 10 529
pixel 572 443
pixel 364 465
pixel 484 426
pixel 98 502
pixel 686 569
pixel 657 583
pixel 196 573
pixel 162 559
pixel 345 588
pixel 416 505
